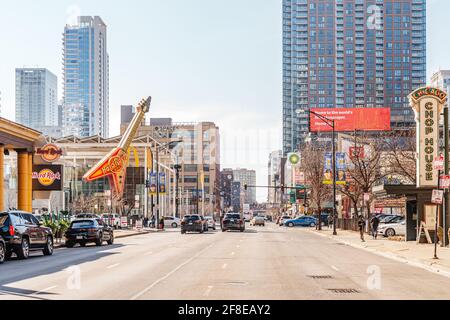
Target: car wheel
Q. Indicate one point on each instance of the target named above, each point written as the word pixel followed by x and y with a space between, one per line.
pixel 313 224
pixel 111 239
pixel 23 252
pixel 183 232
pixel 214 228
pixel 82 244
pixel 2 253
pixel 48 250
pixel 390 232
pixel 70 244
pixel 290 224
pixel 223 230
pixel 98 241
pixel 174 225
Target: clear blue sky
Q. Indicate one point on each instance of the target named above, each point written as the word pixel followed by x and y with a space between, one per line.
pixel 202 60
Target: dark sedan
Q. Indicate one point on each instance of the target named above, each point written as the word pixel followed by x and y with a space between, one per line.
pixel 85 231
pixel 192 223
pixel 233 221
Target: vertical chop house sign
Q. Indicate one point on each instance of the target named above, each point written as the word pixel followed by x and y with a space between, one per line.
pixel 427 103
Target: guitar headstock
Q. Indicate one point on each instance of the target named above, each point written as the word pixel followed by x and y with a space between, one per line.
pixel 144 104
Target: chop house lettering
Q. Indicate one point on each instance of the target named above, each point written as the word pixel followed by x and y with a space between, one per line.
pixel 429 141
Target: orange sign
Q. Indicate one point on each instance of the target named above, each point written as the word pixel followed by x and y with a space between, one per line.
pixel 113 166
pixel 50 152
pixel 351 119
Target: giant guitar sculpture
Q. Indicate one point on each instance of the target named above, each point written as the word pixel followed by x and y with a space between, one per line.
pixel 114 164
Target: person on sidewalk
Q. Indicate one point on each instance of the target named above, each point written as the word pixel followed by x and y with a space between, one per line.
pixel 161 223
pixel 153 222
pixel 375 223
pixel 362 226
pixel 330 221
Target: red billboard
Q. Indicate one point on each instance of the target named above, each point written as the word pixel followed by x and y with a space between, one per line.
pixel 351 119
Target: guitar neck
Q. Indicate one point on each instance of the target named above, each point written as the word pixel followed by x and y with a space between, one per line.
pixel 131 130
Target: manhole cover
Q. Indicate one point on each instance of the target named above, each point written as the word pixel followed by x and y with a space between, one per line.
pixel 346 291
pixel 320 277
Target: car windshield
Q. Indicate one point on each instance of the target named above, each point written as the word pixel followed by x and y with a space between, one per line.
pixel 82 224
pixel 233 216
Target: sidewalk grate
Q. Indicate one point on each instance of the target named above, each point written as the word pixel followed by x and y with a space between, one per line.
pixel 345 291
pixel 321 277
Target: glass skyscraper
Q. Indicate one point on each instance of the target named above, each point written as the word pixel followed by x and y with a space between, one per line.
pixel 36 98
pixel 86 78
pixel 351 53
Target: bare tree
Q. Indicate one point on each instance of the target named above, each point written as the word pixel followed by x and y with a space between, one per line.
pixel 400 157
pixel 313 164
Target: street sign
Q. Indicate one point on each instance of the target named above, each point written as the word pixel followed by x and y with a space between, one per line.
pixel 445 182
pixel 438 163
pixel 437 197
pixel 124 222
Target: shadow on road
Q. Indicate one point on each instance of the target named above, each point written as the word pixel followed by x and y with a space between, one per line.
pixel 15 270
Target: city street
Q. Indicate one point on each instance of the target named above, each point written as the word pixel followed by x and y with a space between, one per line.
pixel 263 263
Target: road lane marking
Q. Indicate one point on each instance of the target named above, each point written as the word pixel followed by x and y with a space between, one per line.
pixel 224 266
pixel 208 291
pixel 334 268
pixel 44 290
pixel 113 266
pixel 141 293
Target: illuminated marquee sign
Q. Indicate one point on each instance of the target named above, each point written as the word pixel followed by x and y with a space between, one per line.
pixel 50 152
pixel 47 177
pixel 427 104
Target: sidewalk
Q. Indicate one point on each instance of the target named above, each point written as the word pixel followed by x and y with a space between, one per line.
pixel 118 234
pixel 418 255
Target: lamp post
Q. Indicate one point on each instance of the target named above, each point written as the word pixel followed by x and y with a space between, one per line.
pixel 332 124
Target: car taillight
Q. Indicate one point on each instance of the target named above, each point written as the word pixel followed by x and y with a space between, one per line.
pixel 11 231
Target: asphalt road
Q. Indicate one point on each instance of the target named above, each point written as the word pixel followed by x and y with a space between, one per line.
pixel 263 263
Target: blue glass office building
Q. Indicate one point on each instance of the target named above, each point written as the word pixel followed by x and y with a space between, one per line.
pixel 350 53
pixel 86 78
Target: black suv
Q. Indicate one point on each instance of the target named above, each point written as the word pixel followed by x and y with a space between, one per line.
pixel 192 223
pixel 22 233
pixel 83 231
pixel 233 221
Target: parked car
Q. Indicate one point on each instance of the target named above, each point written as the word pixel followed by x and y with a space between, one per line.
pixel 258 221
pixel 204 223
pixel 192 223
pixel 304 221
pixel 233 221
pixel 172 222
pixel 211 222
pixel 23 233
pixel 83 231
pixel 323 218
pixel 393 229
pixel 282 219
pixel 2 250
pixel 112 219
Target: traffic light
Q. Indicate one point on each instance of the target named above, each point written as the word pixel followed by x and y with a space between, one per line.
pixel 245 187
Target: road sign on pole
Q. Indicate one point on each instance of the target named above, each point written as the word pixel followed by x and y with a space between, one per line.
pixel 438 163
pixel 437 196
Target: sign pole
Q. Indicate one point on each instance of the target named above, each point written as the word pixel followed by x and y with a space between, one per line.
pixel 436 222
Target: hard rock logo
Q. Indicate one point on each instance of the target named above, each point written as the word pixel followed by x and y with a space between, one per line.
pixel 46 177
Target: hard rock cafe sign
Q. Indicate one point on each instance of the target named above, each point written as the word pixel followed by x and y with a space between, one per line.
pixel 50 152
pixel 427 103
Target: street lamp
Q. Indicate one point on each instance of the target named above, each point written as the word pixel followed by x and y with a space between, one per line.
pixel 332 124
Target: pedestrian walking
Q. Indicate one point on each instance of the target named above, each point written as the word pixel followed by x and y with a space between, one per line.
pixel 145 222
pixel 374 224
pixel 153 221
pixel 362 226
pixel 161 223
pixel 330 221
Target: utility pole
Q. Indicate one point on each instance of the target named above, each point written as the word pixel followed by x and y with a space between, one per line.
pixel 446 215
pixel 177 198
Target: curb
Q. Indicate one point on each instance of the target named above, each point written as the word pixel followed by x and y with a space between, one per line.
pixel 443 271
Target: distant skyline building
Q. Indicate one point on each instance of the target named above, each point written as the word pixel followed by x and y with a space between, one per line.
pixel 86 78
pixel 37 99
pixel 246 177
pixel 274 176
pixel 441 80
pixel 350 54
